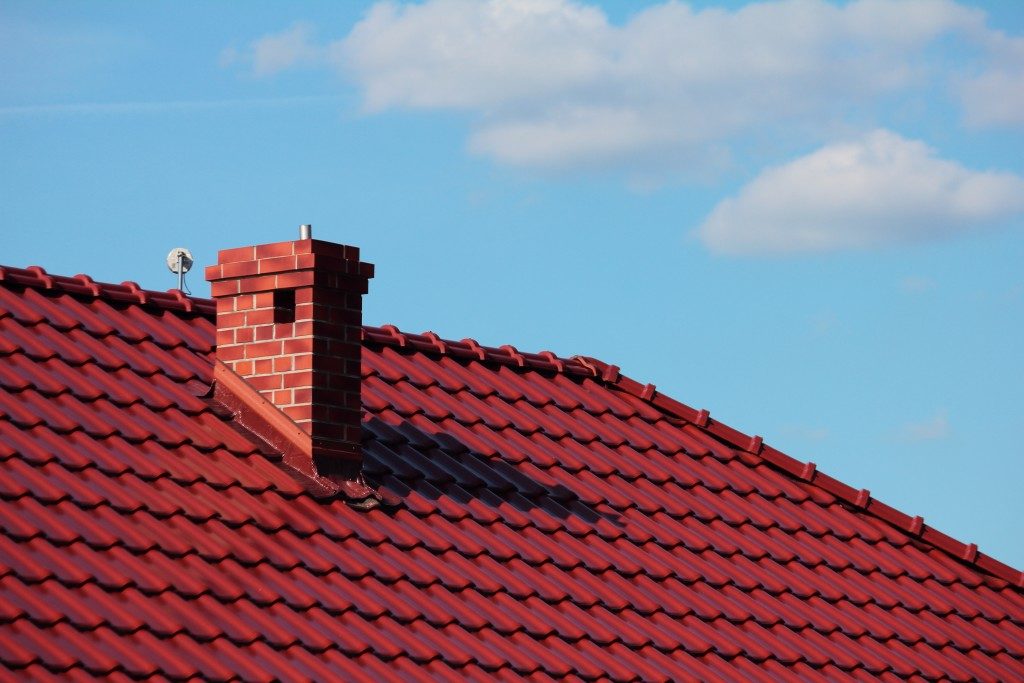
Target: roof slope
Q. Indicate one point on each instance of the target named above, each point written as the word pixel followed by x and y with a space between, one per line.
pixel 557 519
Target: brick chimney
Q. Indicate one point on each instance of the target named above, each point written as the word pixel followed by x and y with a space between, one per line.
pixel 289 319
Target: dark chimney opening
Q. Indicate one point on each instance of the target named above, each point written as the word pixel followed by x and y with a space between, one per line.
pixel 284 305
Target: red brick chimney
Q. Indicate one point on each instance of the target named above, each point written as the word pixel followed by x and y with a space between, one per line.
pixel 289 318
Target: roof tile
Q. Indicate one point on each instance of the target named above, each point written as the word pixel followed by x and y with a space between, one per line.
pixel 558 519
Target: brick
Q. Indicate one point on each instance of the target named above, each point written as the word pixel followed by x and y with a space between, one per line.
pixel 343 383
pixel 340 415
pixel 330 431
pixel 284 397
pixel 344 316
pixel 225 337
pixel 297 379
pixel 243 367
pixel 341 349
pixel 265 382
pixel 227 353
pixel 225 305
pixel 261 283
pixel 283 364
pixel 284 330
pixel 295 279
pixel 264 300
pixel 300 345
pixel 244 302
pixel 332 364
pixel 274 249
pixel 226 320
pixel 320 412
pixel 263 332
pixel 236 254
pixel 302 361
pixel 279 264
pixel 244 335
pixel 239 269
pixel 223 288
pixel 264 366
pixel 262 349
pixel 323 248
pixel 298 413
pixel 259 316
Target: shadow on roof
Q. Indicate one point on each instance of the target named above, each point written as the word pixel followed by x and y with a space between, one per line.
pixel 403 458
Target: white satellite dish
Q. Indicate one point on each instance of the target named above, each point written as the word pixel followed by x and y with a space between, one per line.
pixel 179 261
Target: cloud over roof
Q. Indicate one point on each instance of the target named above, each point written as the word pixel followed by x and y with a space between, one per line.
pixel 877 190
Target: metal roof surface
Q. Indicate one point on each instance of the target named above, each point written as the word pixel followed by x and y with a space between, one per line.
pixel 557 520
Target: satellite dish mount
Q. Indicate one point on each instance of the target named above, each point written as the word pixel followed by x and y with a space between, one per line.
pixel 179 261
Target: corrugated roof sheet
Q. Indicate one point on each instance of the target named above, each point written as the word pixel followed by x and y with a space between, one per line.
pixel 558 519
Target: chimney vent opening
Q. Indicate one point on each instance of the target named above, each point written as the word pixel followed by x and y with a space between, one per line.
pixel 284 305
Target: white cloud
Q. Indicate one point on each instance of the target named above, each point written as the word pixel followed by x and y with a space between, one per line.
pixel 996 95
pixel 878 190
pixel 556 84
pixel 935 428
pixel 553 83
pixel 278 52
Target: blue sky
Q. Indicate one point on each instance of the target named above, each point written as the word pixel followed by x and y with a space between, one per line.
pixel 805 217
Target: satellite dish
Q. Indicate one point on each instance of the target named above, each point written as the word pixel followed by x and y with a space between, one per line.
pixel 179 261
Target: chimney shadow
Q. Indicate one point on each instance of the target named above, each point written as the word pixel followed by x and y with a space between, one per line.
pixel 403 457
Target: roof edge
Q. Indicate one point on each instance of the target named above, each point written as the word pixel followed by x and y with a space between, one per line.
pixel 126 292
pixel 808 472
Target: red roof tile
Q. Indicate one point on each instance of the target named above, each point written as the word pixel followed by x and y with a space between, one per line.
pixel 558 518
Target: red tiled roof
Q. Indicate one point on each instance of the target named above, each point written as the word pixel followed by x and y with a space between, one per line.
pixel 557 518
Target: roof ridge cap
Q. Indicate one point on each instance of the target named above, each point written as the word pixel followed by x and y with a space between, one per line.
pixel 130 292
pixel 506 355
pixel 808 472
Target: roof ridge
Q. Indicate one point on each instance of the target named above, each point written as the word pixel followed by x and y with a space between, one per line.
pixel 126 292
pixel 429 342
pixel 808 472
pixel 388 335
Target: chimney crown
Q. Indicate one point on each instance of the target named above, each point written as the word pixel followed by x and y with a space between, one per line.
pixel 289 321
